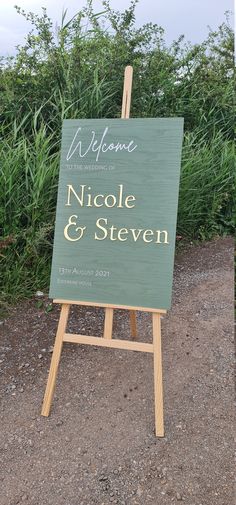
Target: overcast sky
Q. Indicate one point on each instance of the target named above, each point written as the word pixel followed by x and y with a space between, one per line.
pixel 188 17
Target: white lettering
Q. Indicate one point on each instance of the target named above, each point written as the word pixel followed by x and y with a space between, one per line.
pixel 136 233
pixel 101 228
pixel 97 147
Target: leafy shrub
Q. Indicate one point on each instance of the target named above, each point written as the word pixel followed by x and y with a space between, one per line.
pixel 77 72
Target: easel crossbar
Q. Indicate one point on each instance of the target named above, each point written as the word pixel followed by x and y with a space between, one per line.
pixel 110 306
pixel 102 342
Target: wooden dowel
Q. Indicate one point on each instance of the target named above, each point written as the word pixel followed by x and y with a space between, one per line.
pixel 49 392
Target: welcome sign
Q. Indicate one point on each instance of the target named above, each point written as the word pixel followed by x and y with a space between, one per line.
pixel 116 211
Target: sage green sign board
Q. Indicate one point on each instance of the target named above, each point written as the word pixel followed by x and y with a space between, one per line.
pixel 116 211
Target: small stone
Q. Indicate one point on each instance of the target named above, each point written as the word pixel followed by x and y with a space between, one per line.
pixel 40 356
pixel 178 496
pixel 24 497
pixel 59 423
pixel 139 491
pixel 39 293
pixel 21 390
pixel 102 478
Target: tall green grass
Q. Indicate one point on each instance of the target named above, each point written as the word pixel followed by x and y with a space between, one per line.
pixel 77 72
pixel 206 186
pixel 28 192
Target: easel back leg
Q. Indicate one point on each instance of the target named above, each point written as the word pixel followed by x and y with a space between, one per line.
pixel 133 323
pixel 108 323
pixel 158 388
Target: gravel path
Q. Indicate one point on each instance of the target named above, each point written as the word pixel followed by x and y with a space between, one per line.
pixel 98 446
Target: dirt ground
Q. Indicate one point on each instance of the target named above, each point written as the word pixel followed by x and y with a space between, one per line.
pixel 98 446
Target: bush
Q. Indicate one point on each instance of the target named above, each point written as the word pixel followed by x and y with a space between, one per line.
pixel 77 72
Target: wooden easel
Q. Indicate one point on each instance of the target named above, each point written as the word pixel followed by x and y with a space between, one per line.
pixel 106 340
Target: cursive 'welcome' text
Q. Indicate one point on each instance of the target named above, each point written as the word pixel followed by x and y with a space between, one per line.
pixel 97 145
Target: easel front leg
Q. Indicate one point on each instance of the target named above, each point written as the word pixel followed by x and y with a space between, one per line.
pixel 55 360
pixel 158 388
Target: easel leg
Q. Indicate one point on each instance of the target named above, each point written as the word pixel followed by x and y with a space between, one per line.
pixel 133 325
pixel 108 323
pixel 55 360
pixel 125 113
pixel 159 424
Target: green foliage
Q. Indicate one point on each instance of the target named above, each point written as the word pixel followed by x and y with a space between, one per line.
pixel 206 187
pixel 77 71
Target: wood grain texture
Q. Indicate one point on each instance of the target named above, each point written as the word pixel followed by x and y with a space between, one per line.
pixel 108 323
pixel 133 324
pixel 112 343
pixel 125 114
pixel 158 388
pixel 112 306
pixel 55 360
pixel 126 100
